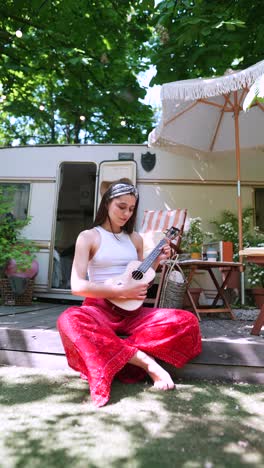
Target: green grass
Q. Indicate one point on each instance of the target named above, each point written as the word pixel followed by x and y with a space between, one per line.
pixel 48 420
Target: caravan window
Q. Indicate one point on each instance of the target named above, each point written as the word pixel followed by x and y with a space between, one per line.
pixel 21 199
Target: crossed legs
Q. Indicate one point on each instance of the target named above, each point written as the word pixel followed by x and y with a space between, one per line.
pixel 90 337
pixel 168 334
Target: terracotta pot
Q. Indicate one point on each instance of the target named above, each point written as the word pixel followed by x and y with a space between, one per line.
pixel 196 255
pixel 258 294
pixel 11 270
pixel 227 251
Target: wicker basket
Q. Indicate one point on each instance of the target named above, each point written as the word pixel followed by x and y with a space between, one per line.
pixel 173 292
pixel 12 299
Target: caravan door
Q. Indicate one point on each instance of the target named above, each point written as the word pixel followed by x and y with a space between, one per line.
pixel 75 213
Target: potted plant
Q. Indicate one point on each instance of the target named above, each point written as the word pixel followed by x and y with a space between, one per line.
pixel 17 254
pixel 227 230
pixel 192 243
pixel 194 238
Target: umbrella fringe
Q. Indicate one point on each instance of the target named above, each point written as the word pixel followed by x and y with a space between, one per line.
pixel 209 87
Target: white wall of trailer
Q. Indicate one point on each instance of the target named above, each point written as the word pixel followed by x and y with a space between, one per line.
pixel 203 183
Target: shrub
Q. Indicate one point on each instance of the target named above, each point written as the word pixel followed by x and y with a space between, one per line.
pixel 12 244
pixel 227 230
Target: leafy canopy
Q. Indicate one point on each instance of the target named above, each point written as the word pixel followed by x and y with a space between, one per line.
pixel 202 38
pixel 72 76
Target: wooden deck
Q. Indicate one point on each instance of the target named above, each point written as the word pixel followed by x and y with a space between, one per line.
pixel 28 337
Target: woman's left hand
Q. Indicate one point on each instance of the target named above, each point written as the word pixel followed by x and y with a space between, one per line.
pixel 165 253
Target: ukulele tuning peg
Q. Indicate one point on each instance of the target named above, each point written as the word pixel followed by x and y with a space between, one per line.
pixel 172 232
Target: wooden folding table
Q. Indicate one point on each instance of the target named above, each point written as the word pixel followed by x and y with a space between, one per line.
pixel 190 267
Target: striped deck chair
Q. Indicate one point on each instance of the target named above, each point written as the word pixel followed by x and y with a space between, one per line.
pixel 156 222
pixel 153 226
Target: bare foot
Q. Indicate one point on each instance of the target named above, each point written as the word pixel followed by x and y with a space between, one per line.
pixel 161 378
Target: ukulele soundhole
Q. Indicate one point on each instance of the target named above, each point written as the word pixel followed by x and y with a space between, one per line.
pixel 137 275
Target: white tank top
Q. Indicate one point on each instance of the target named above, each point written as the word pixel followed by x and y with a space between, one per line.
pixel 112 257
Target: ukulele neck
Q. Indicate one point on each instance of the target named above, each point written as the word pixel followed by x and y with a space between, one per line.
pixel 146 264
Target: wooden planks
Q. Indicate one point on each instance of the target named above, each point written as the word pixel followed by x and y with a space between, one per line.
pixel 11 310
pixel 33 341
pixel 44 318
pixel 28 337
pixel 239 352
pixel 218 372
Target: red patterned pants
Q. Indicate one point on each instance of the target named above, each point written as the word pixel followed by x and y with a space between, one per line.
pixel 93 347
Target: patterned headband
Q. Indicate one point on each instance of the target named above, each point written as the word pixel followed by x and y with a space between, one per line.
pixel 122 189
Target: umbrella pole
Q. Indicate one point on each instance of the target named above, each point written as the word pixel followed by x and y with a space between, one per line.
pixel 239 203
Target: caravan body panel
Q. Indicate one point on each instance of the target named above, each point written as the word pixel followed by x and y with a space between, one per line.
pixel 65 183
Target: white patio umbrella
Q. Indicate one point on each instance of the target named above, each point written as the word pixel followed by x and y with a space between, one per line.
pixel 207 114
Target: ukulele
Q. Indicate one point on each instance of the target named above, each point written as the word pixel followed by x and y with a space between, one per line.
pixel 140 272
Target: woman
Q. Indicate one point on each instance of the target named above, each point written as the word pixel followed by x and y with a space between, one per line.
pixel 91 333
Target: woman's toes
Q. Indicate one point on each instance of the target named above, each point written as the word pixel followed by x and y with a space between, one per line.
pixel 164 385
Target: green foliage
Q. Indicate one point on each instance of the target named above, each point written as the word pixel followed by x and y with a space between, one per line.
pixel 194 39
pixel 226 229
pixel 255 275
pixel 12 245
pixel 82 59
pixel 193 239
pixel 74 59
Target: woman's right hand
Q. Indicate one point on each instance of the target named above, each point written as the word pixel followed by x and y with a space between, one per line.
pixel 132 291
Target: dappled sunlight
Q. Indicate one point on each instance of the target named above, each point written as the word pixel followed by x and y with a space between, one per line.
pixel 241 449
pixel 141 411
pixel 250 403
pixel 188 391
pixel 32 385
pixel 48 418
pixel 215 410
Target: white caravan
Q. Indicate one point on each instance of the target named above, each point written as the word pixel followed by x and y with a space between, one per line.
pixel 60 188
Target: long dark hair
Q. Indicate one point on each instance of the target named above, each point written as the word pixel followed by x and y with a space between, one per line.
pixel 114 192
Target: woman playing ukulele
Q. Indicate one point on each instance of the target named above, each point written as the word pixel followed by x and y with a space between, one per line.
pixel 91 333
